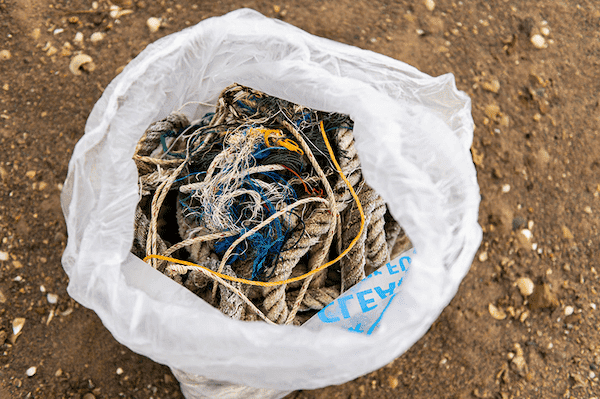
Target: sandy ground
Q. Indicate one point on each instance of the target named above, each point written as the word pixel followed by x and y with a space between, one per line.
pixel 531 71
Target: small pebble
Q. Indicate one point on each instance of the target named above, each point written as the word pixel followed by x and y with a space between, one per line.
pixel 545 31
pixel 58 31
pixel 525 286
pixel 538 41
pixel 153 24
pixel 65 51
pixel 569 310
pixel 115 11
pixel 430 5
pixel 483 256
pixel 3 255
pixel 492 111
pixel 97 37
pixel 506 188
pixel 31 371
pixel 42 289
pixel 5 55
pixel 89 395
pixel 527 233
pixel 492 86
pixel 518 361
pixel 78 39
pixel 2 297
pixel 51 51
pixel 52 298
pixel 119 371
pixel 588 210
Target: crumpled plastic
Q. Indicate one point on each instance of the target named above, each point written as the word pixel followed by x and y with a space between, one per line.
pixel 413 134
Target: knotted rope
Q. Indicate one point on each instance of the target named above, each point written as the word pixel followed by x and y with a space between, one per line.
pixel 245 187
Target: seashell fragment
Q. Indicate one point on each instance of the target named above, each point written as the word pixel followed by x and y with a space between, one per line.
pixel 117 12
pixel 81 62
pixel 17 325
pixel 497 313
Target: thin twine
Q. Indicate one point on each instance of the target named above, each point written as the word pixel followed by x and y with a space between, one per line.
pixel 196 102
pixel 293 279
pixel 325 247
pixel 318 170
pixel 157 200
pixel 264 223
pixel 182 269
pixel 204 238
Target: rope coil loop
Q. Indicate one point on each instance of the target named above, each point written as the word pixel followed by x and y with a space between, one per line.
pixel 261 188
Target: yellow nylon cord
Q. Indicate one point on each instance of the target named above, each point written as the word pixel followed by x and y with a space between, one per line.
pixel 293 279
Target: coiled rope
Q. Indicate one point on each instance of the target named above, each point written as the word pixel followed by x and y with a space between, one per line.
pixel 190 265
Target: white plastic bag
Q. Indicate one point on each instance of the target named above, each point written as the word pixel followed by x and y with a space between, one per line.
pixel 413 134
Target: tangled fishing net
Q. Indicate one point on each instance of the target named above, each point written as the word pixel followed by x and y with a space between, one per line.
pixel 260 192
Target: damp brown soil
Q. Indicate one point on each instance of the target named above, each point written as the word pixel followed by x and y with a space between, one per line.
pixel 530 69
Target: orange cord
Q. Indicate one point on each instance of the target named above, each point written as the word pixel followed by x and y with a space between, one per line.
pixel 293 279
pixel 285 143
pixel 302 180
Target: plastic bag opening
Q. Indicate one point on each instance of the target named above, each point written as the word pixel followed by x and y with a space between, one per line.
pixel 413 133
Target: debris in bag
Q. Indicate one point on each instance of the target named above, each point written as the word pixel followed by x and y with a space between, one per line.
pixel 260 208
